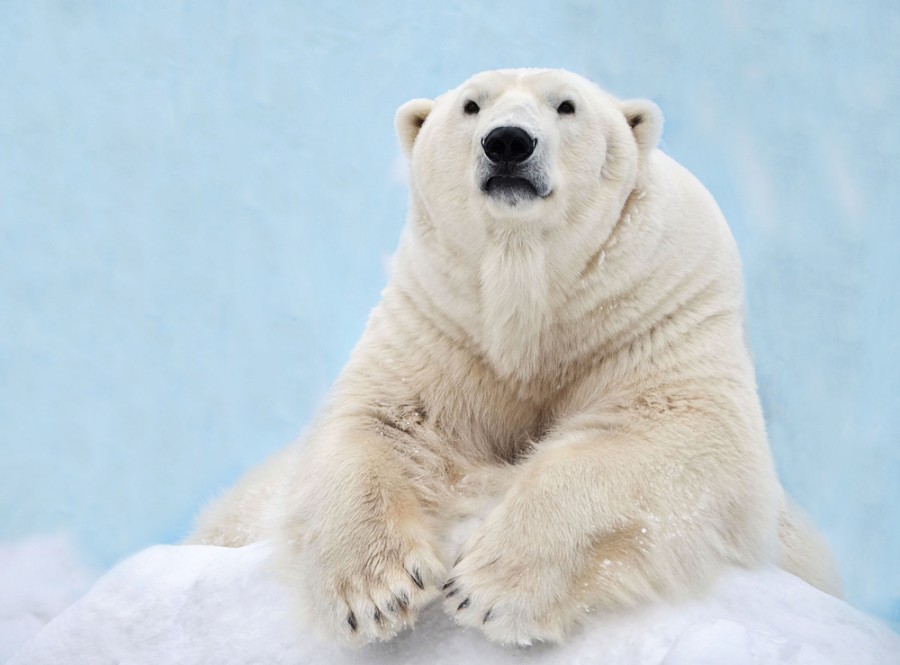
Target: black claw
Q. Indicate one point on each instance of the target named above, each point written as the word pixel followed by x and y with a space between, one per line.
pixel 463 605
pixel 377 616
pixel 351 619
pixel 452 593
pixel 417 578
pixel 403 601
pixel 448 584
pixel 487 616
pixel 458 559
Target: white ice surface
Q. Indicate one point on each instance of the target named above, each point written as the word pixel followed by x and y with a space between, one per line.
pixel 197 604
pixel 39 577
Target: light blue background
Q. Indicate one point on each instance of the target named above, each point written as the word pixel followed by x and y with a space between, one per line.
pixel 197 201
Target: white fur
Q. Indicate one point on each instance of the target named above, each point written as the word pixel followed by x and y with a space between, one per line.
pixel 572 366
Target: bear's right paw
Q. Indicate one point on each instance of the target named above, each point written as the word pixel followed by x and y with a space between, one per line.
pixel 365 585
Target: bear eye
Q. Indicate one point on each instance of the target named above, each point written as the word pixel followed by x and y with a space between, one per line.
pixel 566 108
pixel 471 108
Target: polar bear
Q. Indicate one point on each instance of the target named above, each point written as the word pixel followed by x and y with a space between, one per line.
pixel 560 349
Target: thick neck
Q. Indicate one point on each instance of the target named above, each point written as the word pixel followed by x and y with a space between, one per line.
pixel 506 286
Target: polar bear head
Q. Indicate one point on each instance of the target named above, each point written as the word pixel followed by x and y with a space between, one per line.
pixel 525 147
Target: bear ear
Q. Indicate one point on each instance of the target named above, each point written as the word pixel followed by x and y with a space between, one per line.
pixel 409 120
pixel 645 120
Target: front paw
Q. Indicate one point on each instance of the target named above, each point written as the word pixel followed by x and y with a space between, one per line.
pixel 513 588
pixel 368 582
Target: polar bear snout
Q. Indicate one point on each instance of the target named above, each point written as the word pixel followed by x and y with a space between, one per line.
pixel 512 167
pixel 505 145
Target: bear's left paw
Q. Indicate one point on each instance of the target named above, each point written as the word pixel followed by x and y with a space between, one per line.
pixel 512 591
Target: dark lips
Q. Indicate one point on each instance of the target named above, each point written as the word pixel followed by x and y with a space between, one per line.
pixel 510 185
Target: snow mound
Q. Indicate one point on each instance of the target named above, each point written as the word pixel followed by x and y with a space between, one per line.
pixel 198 604
pixel 39 578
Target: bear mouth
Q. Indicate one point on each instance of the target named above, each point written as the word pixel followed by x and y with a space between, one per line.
pixel 513 184
pixel 506 186
pixel 512 190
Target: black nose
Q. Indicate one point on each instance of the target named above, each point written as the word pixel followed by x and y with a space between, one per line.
pixel 508 144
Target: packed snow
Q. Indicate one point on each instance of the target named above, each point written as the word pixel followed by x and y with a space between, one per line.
pixel 199 604
pixel 39 577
